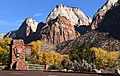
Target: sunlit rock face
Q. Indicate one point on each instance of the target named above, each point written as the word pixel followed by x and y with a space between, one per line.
pixel 59 31
pixel 75 15
pixel 60 24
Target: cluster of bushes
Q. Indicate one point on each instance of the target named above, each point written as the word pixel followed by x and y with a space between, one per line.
pixel 101 59
pixel 106 59
pixel 67 64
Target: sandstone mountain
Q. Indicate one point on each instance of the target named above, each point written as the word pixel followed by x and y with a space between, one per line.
pixel 75 15
pixel 100 15
pixel 61 22
pixel 107 19
pixel 29 30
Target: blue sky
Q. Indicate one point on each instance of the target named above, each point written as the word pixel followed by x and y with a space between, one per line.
pixel 14 12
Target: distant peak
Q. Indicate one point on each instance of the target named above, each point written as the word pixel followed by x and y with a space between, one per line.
pixel 72 13
pixel 30 22
pixel 29 19
pixel 59 5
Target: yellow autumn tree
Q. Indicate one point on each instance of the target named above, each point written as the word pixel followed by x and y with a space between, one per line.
pixel 36 46
pixel 5 50
pixel 44 53
pixel 48 58
pixel 113 59
pixel 36 51
pixel 105 59
pixel 40 59
pixel 57 58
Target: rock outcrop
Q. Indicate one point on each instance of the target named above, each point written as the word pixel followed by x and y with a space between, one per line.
pixel 27 27
pixel 109 20
pixel 60 24
pixel 100 15
pixel 29 30
pixel 75 15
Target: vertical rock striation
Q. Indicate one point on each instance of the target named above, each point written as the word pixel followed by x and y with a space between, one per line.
pixel 60 24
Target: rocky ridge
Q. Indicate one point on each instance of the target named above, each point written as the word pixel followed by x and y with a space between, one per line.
pixel 29 30
pixel 93 39
pixel 99 16
pixel 109 21
pixel 9 34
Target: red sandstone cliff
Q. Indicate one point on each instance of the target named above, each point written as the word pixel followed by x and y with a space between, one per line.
pixel 60 24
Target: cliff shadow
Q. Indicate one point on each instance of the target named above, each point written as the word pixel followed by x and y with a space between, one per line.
pixel 82 29
pixel 33 36
pixel 111 23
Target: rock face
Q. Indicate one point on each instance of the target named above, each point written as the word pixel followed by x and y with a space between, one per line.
pixel 110 21
pixel 60 24
pixel 75 15
pixel 100 15
pixel 59 31
pixel 28 26
pixel 29 30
